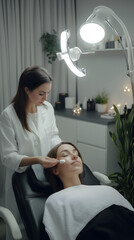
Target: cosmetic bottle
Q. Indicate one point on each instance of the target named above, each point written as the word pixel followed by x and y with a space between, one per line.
pixel 92 105
pixel 116 43
pixel 62 97
pixel 89 105
pixel 85 103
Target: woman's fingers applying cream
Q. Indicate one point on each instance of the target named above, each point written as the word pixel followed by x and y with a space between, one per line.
pixel 47 162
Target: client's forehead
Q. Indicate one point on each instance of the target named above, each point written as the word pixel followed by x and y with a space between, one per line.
pixel 65 147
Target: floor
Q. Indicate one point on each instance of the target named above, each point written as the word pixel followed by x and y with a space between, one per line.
pixel 2 230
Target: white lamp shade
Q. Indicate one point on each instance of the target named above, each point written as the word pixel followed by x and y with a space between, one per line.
pixel 92 32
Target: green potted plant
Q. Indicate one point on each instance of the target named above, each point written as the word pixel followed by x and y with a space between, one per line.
pixel 51 45
pixel 101 101
pixel 123 138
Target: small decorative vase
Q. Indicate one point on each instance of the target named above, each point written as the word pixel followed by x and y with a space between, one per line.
pixel 101 108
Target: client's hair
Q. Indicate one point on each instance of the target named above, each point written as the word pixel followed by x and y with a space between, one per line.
pixel 54 180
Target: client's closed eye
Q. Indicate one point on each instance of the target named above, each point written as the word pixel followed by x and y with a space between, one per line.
pixel 64 155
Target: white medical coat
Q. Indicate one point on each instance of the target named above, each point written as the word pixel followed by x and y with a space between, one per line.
pixel 15 143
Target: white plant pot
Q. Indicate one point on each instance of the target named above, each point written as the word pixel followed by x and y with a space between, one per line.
pixel 101 108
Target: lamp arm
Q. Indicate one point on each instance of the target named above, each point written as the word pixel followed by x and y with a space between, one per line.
pixel 120 41
pixel 129 52
pixel 108 11
pixel 129 43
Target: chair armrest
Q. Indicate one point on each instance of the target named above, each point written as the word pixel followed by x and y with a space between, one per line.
pixel 10 220
pixel 102 178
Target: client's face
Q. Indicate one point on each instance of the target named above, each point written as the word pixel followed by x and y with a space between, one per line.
pixel 73 163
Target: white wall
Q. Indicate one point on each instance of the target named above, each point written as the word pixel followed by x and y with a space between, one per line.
pixel 105 70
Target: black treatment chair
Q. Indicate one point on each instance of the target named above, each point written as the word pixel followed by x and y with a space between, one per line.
pixel 31 194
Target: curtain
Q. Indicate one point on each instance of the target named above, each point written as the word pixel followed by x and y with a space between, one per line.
pixel 22 23
pixel 62 15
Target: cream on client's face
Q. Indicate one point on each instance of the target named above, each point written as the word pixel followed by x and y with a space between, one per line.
pixel 73 163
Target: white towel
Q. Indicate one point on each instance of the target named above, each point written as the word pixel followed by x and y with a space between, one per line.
pixel 68 211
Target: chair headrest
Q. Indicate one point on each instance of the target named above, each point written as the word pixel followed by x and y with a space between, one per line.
pixel 45 187
pixel 36 184
pixel 87 176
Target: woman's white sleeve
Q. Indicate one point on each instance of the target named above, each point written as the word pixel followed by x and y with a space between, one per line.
pixel 8 145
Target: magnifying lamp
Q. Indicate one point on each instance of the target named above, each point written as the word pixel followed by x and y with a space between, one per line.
pixel 93 31
pixel 70 55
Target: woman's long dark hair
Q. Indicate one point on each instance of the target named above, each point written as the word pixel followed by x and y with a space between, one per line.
pixel 31 78
pixel 54 180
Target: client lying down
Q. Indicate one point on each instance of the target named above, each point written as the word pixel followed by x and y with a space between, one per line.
pixel 77 211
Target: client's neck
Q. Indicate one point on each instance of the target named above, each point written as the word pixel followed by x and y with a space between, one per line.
pixel 70 182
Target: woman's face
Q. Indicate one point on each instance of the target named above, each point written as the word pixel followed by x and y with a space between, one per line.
pixel 38 95
pixel 73 163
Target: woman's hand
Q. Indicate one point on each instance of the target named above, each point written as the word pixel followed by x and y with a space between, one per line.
pixel 48 162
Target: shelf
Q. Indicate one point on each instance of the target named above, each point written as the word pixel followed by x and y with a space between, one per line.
pixel 110 49
pixel 103 50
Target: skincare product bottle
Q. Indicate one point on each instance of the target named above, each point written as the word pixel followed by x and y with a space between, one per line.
pixel 93 105
pixel 89 105
pixel 116 43
pixel 85 103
